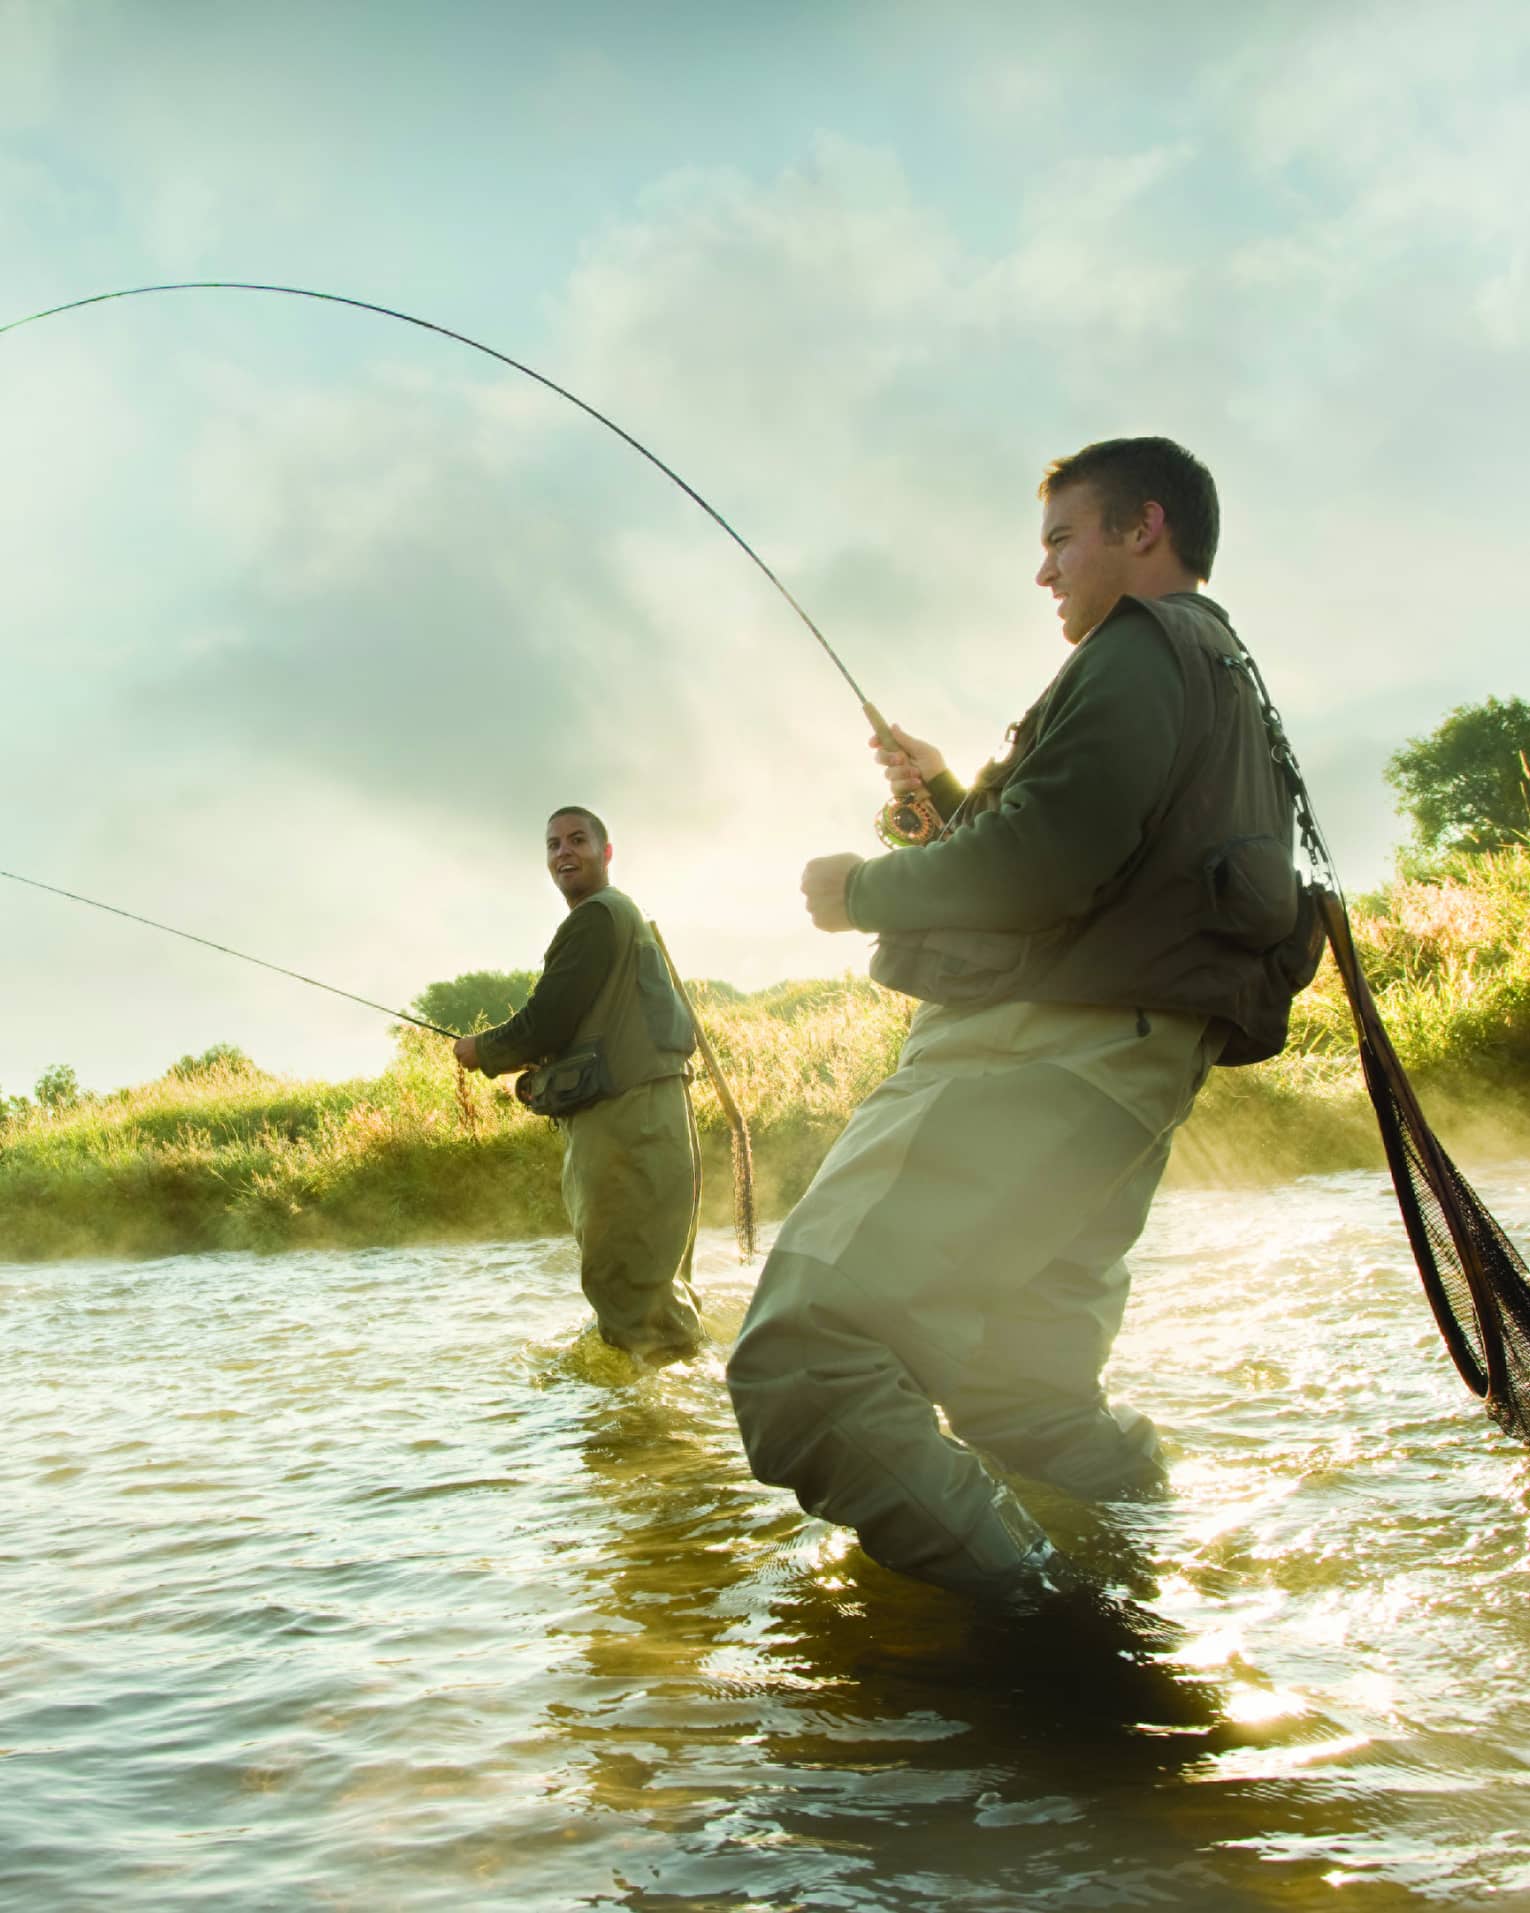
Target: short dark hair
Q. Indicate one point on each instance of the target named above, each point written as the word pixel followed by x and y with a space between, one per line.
pixel 1127 473
pixel 580 810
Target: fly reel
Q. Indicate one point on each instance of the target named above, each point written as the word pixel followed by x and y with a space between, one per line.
pixel 903 823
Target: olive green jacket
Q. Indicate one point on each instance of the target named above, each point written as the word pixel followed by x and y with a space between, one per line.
pixel 1133 848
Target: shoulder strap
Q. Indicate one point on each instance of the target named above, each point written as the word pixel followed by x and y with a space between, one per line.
pixel 1314 843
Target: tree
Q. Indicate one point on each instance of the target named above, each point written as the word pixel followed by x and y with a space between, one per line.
pixel 476 1000
pixel 225 1056
pixel 58 1087
pixel 1467 784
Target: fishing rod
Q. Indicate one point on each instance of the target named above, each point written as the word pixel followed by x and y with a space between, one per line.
pixel 207 944
pixel 911 819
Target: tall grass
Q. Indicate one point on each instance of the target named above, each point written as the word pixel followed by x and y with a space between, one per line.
pixel 230 1158
pixel 1448 961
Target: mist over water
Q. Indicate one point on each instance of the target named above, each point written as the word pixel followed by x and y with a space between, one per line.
pixel 365 1579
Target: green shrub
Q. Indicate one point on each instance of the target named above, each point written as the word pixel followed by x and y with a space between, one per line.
pixel 58 1087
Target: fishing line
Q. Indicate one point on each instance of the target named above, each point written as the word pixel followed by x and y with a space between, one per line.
pixel 243 956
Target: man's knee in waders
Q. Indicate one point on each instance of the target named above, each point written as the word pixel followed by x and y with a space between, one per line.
pixel 803 1382
pixel 775 1420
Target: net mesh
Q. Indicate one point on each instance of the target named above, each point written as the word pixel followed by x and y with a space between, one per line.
pixel 1474 1277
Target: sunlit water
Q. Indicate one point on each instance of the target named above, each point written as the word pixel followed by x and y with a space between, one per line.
pixel 363 1580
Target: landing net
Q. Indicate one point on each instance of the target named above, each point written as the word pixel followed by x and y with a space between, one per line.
pixel 1476 1281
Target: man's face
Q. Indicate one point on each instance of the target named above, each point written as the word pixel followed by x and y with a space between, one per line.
pixel 1086 568
pixel 576 858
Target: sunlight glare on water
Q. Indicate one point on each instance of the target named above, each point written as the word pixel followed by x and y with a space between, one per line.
pixel 364 1579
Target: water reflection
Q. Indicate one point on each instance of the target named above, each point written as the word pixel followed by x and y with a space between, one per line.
pixel 368 1581
pixel 762 1692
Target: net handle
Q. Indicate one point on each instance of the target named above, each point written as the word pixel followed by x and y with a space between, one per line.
pixel 738 1126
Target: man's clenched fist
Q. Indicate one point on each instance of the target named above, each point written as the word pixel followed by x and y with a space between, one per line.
pixel 823 884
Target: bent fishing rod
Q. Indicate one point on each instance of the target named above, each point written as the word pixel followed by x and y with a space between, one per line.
pixel 910 819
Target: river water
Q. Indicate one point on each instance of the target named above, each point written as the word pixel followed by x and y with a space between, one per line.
pixel 365 1580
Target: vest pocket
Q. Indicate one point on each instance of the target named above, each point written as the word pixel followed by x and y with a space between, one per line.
pixel 1298 955
pixel 577 1079
pixel 1251 891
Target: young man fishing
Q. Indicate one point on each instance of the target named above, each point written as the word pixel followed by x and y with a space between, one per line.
pixel 611 1035
pixel 1099 928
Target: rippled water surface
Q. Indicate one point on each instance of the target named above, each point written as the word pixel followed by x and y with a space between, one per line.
pixel 364 1580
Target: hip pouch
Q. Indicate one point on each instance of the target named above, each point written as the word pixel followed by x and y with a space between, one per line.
pixel 573 1082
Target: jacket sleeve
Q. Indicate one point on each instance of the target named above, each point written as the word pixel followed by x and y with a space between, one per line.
pixel 946 791
pixel 1070 818
pixel 578 960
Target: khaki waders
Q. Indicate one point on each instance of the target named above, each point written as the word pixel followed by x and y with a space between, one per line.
pixel 632 1186
pixel 961 1246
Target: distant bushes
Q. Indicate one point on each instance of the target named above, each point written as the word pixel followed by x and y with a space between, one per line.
pixel 225 1057
pixel 218 1154
pixel 58 1087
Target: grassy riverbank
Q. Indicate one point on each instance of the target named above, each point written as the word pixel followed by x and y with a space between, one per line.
pixel 228 1157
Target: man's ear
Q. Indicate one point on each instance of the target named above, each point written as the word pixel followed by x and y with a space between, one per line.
pixel 605 855
pixel 1151 527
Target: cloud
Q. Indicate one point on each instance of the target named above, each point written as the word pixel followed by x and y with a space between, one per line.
pixel 454 594
pixel 32 33
pixel 1403 128
pixel 415 619
pixel 434 587
pixel 1091 262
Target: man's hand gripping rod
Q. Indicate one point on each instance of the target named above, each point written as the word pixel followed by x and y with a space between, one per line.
pixel 907 821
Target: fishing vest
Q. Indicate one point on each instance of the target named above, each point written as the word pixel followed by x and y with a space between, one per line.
pixel 1207 916
pixel 638 1020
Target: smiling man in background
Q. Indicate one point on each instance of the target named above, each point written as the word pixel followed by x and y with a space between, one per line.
pixel 1112 912
pixel 610 1036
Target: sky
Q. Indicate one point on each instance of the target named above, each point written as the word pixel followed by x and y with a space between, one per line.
pixel 310 617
